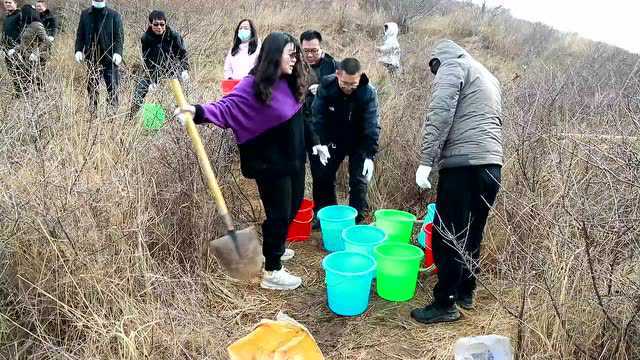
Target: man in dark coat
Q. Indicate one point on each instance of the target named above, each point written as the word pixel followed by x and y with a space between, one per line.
pixel 11 31
pixel 165 56
pixel 345 119
pixel 49 20
pixel 99 41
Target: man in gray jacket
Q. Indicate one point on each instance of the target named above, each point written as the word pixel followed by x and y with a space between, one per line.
pixel 463 132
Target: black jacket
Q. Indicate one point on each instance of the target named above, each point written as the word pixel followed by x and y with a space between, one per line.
pixel 100 35
pixel 11 30
pixel 164 56
pixel 50 22
pixel 326 67
pixel 277 152
pixel 350 122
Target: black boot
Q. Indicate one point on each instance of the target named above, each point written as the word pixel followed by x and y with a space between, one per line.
pixel 466 302
pixel 434 313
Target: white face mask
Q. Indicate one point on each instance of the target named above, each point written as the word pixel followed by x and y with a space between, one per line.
pixel 99 4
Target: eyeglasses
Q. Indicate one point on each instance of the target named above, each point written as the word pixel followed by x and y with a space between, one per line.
pixel 159 24
pixel 311 51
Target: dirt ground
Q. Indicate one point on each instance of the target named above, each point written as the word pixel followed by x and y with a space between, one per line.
pixel 385 330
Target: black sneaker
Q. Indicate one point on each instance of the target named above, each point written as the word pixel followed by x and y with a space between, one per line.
pixel 466 302
pixel 432 314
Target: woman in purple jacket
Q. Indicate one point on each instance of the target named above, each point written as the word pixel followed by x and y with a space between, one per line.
pixel 264 113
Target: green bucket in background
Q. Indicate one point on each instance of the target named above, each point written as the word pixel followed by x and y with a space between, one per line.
pixel 153 116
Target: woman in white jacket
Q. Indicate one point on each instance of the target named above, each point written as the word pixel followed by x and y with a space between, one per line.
pixel 244 52
pixel 390 50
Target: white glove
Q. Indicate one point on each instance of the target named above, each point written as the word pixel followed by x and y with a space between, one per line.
pixel 11 52
pixel 367 169
pixel 153 87
pixel 117 59
pixel 323 152
pixel 79 57
pixel 184 76
pixel 33 57
pixel 314 89
pixel 50 38
pixel 422 177
pixel 182 113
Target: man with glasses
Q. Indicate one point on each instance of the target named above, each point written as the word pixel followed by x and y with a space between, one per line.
pixel 165 56
pixel 99 41
pixel 323 65
pixel 345 119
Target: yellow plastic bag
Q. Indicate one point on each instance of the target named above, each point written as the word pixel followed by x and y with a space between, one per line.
pixel 283 339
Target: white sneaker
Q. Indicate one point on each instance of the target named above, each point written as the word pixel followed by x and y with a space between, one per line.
pixel 280 280
pixel 288 255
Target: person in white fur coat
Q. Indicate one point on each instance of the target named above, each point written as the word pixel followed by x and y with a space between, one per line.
pixel 390 50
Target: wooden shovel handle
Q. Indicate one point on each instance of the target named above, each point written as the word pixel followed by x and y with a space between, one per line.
pixel 203 159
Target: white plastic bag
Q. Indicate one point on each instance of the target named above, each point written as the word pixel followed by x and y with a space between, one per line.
pixel 490 347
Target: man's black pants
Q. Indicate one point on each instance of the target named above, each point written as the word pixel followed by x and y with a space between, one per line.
pixel 465 197
pixel 111 75
pixel 324 181
pixel 281 198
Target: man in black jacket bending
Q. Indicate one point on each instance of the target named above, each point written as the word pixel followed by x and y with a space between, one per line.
pixel 164 55
pixel 49 20
pixel 345 119
pixel 12 28
pixel 100 40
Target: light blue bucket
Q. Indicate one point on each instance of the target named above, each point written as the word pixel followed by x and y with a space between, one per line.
pixel 333 220
pixel 348 276
pixel 363 238
pixel 431 215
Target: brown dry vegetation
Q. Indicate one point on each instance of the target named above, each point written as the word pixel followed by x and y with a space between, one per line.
pixel 101 223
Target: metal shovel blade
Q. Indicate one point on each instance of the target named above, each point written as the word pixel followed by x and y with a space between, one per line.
pixel 239 253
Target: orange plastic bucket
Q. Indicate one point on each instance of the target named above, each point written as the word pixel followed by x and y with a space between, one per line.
pixel 227 86
pixel 300 227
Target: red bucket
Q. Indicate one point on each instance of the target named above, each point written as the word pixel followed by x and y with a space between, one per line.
pixel 300 227
pixel 227 86
pixel 428 250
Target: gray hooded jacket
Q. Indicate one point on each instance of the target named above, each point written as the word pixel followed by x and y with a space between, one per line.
pixel 464 120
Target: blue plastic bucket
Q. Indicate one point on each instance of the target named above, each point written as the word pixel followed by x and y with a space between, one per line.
pixel 333 220
pixel 348 276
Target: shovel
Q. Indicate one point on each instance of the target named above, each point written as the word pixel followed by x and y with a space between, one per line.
pixel 239 252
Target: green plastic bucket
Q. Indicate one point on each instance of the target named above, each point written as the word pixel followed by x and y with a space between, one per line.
pixel 153 116
pixel 397 271
pixel 397 224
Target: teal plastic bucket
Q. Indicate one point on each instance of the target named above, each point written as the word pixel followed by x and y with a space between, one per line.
pixel 428 219
pixel 333 220
pixel 363 238
pixel 348 276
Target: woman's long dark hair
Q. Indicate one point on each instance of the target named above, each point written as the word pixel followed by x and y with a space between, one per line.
pixel 253 43
pixel 267 69
pixel 29 15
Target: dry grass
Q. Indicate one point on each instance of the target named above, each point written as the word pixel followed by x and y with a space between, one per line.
pixel 102 223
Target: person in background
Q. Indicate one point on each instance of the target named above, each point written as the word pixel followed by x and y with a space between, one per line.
pixel 463 132
pixel 165 56
pixel 322 65
pixel 99 41
pixel 390 50
pixel 345 119
pixel 265 114
pixel 11 30
pixel 244 52
pixel 33 49
pixel 49 20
